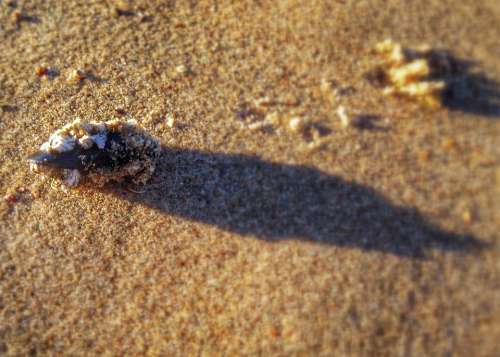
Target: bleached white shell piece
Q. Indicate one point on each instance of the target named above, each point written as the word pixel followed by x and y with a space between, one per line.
pixel 61 144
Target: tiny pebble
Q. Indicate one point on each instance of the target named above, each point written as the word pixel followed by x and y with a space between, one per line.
pixel 467 217
pixel 448 144
pixel 10 198
pixel 181 69
pixel 76 75
pixel 296 124
pixel 122 7
pixel 16 16
pixel 170 120
pixel 262 102
pixel 258 125
pixel 41 70
pixel 326 85
pixel 120 111
pixel 345 121
pixel 275 333
pixel 273 118
pixel 424 155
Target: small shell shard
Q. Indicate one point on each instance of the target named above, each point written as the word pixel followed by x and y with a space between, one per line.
pixel 58 144
pixel 98 152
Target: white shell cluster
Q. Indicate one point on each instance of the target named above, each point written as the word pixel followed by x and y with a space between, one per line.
pixel 86 134
pixel 408 75
pixel 58 143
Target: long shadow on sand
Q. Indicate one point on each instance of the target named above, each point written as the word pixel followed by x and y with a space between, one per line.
pixel 271 201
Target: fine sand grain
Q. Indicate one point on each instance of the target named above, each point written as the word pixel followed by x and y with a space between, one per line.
pixel 271 226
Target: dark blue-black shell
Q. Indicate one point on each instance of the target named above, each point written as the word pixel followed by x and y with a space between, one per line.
pixel 113 155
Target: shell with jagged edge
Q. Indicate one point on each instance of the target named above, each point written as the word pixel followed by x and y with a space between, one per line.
pixel 98 152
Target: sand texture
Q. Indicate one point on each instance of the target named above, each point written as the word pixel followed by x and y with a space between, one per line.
pixel 295 209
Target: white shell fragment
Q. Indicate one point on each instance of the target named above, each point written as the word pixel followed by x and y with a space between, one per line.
pixel 98 152
pixel 345 119
pixel 58 143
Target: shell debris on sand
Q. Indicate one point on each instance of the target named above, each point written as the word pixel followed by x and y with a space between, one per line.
pixel 296 124
pixel 412 72
pixel 41 70
pixel 181 69
pixel 77 75
pixel 16 16
pixel 345 119
pixel 122 7
pixel 99 152
pixel 170 120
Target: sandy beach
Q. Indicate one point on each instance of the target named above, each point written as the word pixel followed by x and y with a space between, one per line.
pixel 271 226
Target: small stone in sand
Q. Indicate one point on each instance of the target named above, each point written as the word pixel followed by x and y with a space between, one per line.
pixel 41 70
pixel 467 216
pixel 120 111
pixel 424 156
pixel 122 7
pixel 296 124
pixel 449 144
pixel 76 75
pixel 262 103
pixel 170 120
pixel 181 69
pixel 10 198
pixel 345 120
pixel 259 125
pixel 16 16
pixel 326 85
pixel 273 118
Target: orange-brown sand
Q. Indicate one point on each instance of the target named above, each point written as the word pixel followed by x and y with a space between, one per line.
pixel 271 226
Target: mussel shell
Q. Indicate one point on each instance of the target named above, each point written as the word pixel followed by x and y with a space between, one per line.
pixel 113 155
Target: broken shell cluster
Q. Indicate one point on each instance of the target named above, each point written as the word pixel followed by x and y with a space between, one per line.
pixel 413 72
pixel 98 151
